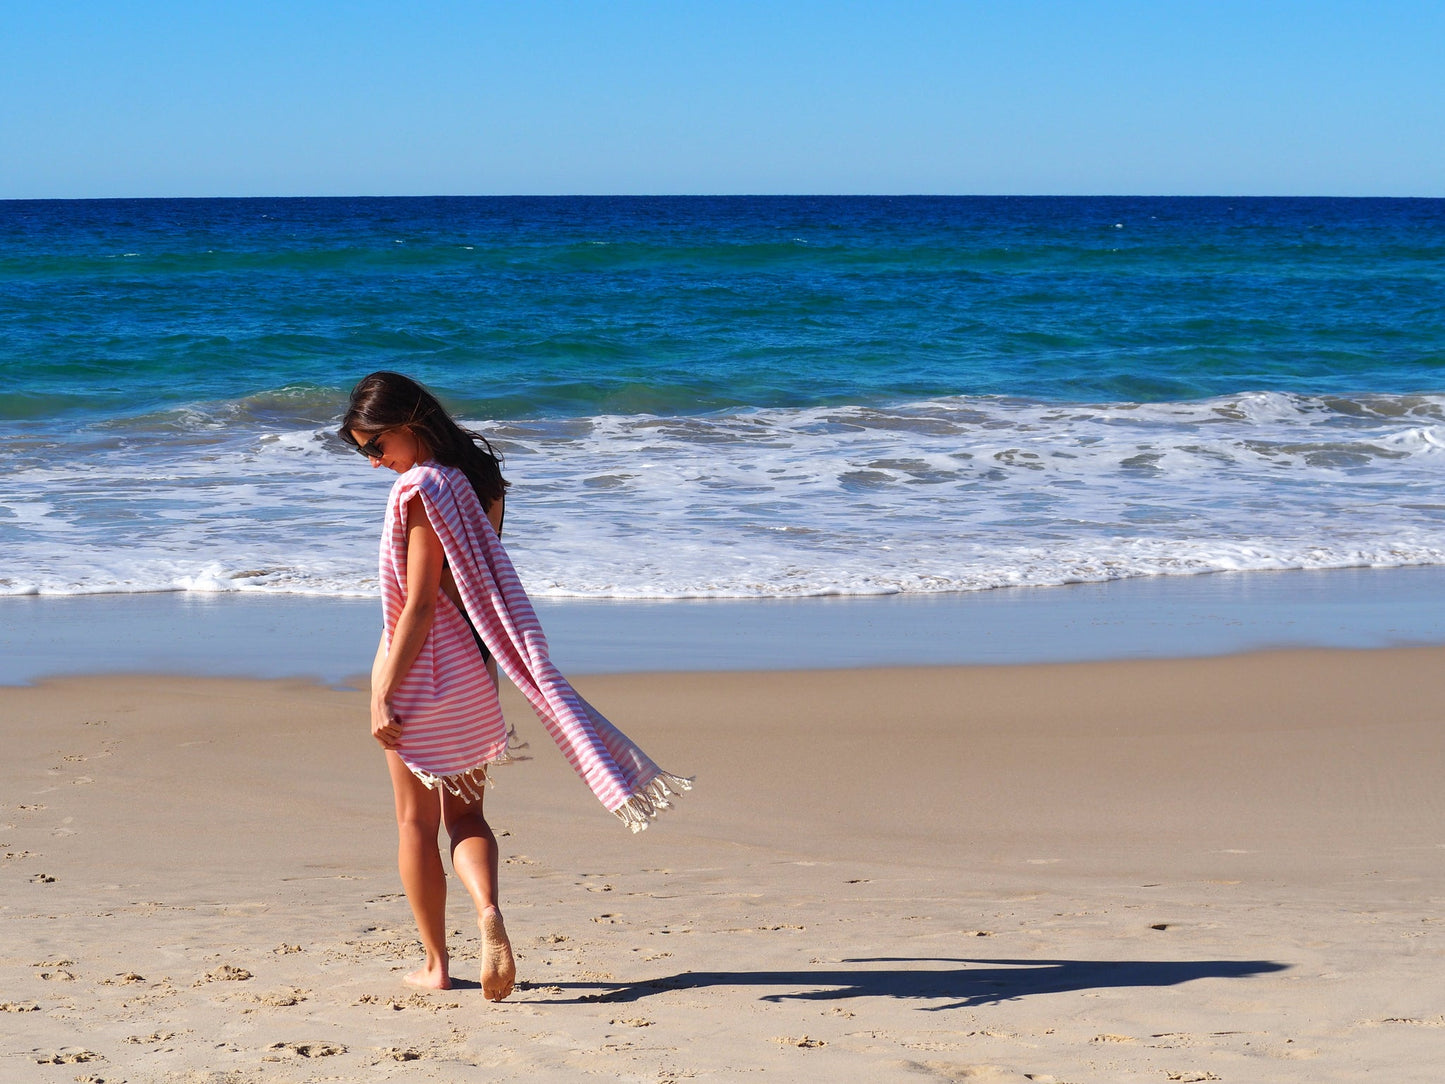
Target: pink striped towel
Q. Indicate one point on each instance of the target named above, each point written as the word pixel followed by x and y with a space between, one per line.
pixel 451 723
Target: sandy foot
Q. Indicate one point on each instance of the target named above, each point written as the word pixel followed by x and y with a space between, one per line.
pixel 499 970
pixel 429 978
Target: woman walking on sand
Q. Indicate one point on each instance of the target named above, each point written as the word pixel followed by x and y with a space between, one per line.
pixel 451 604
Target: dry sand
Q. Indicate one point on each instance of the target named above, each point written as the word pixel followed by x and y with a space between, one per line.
pixel 1214 869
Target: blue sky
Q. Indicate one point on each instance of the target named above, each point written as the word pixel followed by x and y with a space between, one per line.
pixel 1017 96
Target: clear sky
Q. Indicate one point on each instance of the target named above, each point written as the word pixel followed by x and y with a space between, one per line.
pixel 347 97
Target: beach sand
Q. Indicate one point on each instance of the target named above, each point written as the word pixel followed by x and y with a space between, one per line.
pixel 1207 869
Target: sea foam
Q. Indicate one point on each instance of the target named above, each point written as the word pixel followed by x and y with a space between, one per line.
pixel 942 494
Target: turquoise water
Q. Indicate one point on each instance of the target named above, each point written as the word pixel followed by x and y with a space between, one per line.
pixel 731 396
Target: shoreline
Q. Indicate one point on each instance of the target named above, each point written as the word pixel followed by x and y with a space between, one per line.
pixel 332 640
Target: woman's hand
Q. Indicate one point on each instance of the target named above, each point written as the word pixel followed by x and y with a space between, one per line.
pixel 385 726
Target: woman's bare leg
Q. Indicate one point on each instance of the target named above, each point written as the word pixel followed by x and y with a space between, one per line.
pixel 418 815
pixel 474 857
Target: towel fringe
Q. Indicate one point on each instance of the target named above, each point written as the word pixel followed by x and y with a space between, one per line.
pixel 470 784
pixel 651 799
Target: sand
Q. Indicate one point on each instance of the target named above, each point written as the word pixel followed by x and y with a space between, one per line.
pixel 1208 869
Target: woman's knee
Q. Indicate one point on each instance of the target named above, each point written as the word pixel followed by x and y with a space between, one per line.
pixel 464 821
pixel 417 820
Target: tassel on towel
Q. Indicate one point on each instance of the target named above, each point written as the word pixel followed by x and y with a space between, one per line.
pixel 651 800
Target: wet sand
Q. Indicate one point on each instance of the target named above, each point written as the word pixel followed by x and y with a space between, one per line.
pixel 1204 869
pixel 255 634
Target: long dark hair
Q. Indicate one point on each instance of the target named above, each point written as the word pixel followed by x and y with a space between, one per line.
pixel 387 400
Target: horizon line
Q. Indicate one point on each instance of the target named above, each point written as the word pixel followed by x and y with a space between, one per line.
pixel 716 195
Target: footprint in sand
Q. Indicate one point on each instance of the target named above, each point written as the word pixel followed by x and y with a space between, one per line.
pixel 1437 1022
pixel 308 1050
pixel 225 973
pixel 420 1001
pixel 284 999
pixel 396 1053
pixel 70 1055
pixel 130 978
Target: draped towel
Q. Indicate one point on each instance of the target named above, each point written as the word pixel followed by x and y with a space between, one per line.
pixel 451 723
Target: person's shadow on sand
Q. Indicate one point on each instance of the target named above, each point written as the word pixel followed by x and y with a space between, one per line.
pixel 977 982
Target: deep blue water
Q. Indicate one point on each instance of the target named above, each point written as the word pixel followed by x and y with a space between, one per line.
pixel 576 306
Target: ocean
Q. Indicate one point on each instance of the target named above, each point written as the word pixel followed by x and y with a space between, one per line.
pixel 732 396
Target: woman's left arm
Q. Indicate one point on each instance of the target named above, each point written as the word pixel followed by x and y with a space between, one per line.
pixel 424 557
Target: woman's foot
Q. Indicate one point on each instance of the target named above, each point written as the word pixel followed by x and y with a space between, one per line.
pixel 431 976
pixel 499 970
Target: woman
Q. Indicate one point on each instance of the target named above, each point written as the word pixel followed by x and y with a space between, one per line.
pixel 452 603
pixel 398 424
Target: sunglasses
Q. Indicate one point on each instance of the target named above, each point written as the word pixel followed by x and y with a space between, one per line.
pixel 370 449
